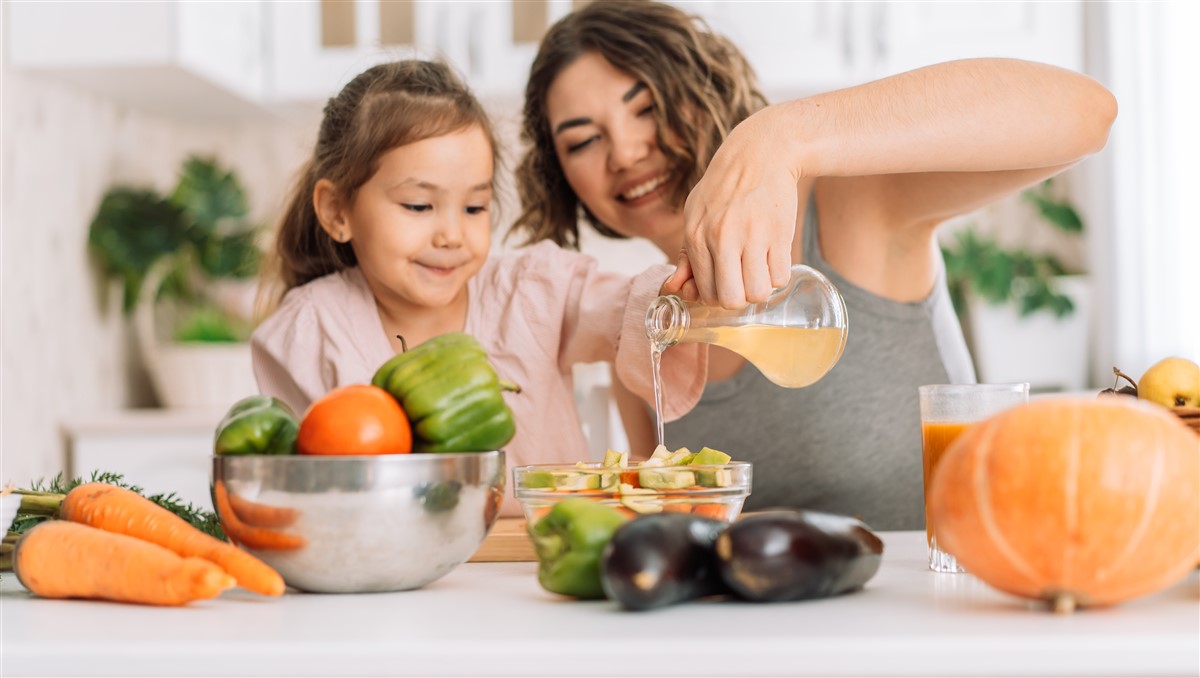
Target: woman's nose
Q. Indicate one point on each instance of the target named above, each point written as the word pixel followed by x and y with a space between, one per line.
pixel 630 146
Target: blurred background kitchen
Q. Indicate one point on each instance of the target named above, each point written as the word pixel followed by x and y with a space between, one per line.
pixel 161 109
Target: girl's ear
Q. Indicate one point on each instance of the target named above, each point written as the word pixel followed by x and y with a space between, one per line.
pixel 331 211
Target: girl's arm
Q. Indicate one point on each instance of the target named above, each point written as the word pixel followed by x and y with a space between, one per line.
pixel 584 315
pixel 949 138
pixel 639 426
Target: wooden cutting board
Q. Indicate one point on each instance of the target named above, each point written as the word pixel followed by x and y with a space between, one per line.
pixel 508 542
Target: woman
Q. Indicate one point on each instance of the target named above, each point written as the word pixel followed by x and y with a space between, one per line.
pixel 631 109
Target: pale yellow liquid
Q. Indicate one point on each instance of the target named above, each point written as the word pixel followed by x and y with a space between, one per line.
pixel 792 357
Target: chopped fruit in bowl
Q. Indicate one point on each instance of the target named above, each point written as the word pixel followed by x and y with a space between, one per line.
pixel 704 483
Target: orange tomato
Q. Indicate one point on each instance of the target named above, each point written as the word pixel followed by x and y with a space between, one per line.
pixel 357 419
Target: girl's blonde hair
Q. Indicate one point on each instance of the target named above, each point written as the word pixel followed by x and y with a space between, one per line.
pixel 386 106
pixel 701 84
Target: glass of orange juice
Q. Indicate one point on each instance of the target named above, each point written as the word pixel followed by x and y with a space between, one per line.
pixel 946 411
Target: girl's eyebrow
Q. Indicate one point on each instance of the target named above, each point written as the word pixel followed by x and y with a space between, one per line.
pixel 420 183
pixel 578 122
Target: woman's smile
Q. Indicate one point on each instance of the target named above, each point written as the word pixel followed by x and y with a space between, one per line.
pixel 642 191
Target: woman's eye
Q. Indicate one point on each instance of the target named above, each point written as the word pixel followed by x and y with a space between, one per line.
pixel 647 110
pixel 476 209
pixel 414 207
pixel 581 145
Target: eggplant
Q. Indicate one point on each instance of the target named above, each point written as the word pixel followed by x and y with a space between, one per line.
pixel 795 555
pixel 662 559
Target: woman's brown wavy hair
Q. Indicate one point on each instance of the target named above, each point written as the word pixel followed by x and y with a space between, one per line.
pixel 384 107
pixel 701 83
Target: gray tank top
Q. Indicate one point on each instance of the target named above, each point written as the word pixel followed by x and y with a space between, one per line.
pixel 851 443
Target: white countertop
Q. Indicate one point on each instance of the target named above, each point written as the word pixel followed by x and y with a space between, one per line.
pixel 494 619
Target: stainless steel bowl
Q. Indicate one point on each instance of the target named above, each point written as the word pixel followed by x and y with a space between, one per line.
pixel 359 523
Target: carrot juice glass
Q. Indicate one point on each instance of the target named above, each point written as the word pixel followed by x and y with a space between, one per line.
pixel 946 411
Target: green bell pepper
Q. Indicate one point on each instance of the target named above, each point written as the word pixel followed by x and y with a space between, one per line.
pixel 451 395
pixel 569 540
pixel 257 425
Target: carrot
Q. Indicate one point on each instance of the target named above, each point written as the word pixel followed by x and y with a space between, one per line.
pixel 251 536
pixel 61 559
pixel 717 511
pixel 115 509
pixel 262 515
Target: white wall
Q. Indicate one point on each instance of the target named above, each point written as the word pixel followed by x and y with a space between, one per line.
pixel 65 351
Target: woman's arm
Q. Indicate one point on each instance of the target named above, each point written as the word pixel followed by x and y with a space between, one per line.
pixel 951 137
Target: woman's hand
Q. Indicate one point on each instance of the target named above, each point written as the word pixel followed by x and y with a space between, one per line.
pixel 740 219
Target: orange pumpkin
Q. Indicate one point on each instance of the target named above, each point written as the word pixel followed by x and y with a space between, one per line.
pixel 1076 502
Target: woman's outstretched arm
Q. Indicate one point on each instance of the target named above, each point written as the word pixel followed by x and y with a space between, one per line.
pixel 914 149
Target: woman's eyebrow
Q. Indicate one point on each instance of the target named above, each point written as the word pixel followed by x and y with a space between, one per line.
pixel 633 91
pixel 579 122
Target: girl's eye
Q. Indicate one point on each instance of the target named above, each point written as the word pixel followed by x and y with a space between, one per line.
pixel 476 209
pixel 647 110
pixel 416 207
pixel 581 145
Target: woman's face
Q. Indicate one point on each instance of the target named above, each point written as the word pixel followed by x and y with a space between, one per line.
pixel 420 226
pixel 604 130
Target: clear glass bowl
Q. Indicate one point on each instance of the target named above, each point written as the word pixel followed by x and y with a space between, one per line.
pixel 716 490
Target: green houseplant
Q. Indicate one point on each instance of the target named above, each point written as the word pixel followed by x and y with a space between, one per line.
pixel 169 253
pixel 195 235
pixel 979 264
pixel 1030 297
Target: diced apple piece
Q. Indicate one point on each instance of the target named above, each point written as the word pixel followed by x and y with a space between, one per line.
pixel 666 478
pixel 660 452
pixel 712 478
pixel 615 459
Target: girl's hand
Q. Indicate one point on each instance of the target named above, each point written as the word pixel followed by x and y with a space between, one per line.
pixel 740 218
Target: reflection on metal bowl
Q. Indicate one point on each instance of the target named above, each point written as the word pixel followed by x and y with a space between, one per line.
pixel 359 523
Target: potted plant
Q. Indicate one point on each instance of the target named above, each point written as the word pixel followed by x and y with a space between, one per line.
pixel 1025 313
pixel 171 255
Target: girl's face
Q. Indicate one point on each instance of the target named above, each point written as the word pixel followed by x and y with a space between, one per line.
pixel 420 226
pixel 602 122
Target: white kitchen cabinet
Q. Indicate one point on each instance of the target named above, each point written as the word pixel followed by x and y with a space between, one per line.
pixel 158 450
pixel 474 36
pixel 304 70
pixel 188 58
pixel 795 48
pixel 800 48
pixel 907 35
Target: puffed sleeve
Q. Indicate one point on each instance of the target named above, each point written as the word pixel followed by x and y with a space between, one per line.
pixel 602 319
pixel 285 351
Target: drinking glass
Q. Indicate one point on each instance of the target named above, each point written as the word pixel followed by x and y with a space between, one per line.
pixel 946 411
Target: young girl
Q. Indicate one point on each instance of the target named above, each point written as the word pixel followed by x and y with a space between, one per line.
pixel 387 233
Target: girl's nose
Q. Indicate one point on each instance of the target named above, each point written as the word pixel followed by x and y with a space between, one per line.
pixel 449 232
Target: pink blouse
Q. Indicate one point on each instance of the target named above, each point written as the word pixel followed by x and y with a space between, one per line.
pixel 536 313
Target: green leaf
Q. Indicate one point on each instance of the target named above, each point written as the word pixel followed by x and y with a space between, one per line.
pixel 208 194
pixel 132 229
pixel 1059 213
pixel 211 324
pixel 232 256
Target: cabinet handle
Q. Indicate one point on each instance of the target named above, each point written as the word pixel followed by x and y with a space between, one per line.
pixel 878 32
pixel 847 35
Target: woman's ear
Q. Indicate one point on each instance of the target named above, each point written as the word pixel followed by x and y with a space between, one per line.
pixel 331 211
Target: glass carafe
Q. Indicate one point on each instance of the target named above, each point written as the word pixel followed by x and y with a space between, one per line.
pixel 794 337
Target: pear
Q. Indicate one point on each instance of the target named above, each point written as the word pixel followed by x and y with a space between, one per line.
pixel 1171 382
